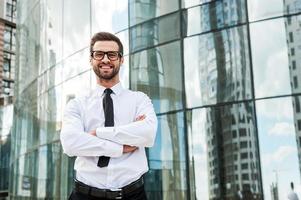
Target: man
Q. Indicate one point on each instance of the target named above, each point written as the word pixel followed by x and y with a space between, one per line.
pixel 292 195
pixel 108 130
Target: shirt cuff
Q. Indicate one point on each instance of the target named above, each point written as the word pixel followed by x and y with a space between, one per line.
pixel 116 150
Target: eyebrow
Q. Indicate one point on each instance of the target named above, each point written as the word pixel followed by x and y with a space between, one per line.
pixel 107 51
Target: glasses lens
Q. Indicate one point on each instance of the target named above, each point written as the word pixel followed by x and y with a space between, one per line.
pixel 112 55
pixel 98 55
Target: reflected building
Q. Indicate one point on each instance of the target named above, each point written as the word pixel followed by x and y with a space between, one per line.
pixel 7 77
pixel 293 33
pixel 149 73
pixel 224 71
pixel 6 118
pixel 7 46
pixel 224 120
pixel 274 191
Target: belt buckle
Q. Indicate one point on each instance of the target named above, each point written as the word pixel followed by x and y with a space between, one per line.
pixel 119 195
pixel 111 194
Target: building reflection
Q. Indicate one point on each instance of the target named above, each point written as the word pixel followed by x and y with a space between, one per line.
pixel 293 34
pixel 6 118
pixel 224 70
pixel 274 191
pixel 153 71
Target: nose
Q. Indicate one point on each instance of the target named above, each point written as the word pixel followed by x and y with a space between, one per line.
pixel 105 59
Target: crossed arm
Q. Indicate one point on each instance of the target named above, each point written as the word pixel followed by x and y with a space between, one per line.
pixel 126 148
pixel 109 141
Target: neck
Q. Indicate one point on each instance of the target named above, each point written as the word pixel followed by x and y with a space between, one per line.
pixel 107 83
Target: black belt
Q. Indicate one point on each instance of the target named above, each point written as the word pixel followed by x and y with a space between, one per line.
pixel 105 193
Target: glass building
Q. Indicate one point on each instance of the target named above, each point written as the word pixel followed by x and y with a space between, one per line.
pixel 7 47
pixel 224 77
pixel 7 71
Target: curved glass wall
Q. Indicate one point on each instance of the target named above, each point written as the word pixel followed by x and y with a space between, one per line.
pixel 53 67
pixel 224 78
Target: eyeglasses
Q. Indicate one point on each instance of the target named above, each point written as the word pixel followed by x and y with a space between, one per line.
pixel 99 55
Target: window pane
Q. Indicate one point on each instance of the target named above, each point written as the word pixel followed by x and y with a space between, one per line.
pixel 67 176
pixel 48 172
pixel 124 38
pixel 43 83
pixel 261 9
pixel 50 114
pixel 155 32
pixel 54 32
pixel 8 38
pixel 218 147
pixel 293 31
pixel 28 175
pixel 76 86
pixel 76 64
pixel 270 61
pixel 76 19
pixel 278 148
pixel 123 74
pixel 198 154
pixel 217 67
pixel 52 185
pixel 9 66
pixel 55 75
pixel 26 126
pixel 6 120
pixel 112 18
pixel 153 71
pixel 190 3
pixel 215 15
pixel 143 10
pixel 10 12
pixel 29 51
pixel 166 178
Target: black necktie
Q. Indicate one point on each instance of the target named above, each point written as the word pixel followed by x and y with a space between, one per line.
pixel 107 104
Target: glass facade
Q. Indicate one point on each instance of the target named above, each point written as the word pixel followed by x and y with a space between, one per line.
pixel 7 72
pixel 7 47
pixel 6 120
pixel 224 78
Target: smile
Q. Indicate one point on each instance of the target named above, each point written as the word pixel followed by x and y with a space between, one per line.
pixel 106 67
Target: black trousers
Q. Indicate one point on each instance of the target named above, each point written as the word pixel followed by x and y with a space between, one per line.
pixel 138 194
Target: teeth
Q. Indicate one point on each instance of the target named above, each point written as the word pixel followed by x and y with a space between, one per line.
pixel 106 67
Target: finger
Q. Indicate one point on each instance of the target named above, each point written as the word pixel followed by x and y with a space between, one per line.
pixel 140 117
pixel 133 149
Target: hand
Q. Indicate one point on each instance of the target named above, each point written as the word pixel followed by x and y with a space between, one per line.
pixel 93 132
pixel 140 118
pixel 128 148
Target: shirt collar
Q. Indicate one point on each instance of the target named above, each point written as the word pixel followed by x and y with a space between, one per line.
pixel 117 89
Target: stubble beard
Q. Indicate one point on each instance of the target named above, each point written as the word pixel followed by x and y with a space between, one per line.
pixel 106 76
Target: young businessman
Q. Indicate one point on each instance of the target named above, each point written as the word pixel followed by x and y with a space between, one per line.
pixel 108 130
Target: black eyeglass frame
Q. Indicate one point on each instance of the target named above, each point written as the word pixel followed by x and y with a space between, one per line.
pixel 119 55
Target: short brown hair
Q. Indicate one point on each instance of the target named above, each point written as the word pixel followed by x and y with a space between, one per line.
pixel 106 36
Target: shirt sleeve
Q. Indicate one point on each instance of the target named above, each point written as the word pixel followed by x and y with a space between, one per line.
pixel 139 133
pixel 76 142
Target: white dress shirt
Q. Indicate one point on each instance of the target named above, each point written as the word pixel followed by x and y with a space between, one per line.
pixel 84 114
pixel 292 196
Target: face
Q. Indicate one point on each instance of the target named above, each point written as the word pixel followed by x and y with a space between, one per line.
pixel 105 68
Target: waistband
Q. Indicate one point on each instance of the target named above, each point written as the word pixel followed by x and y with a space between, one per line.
pixel 106 193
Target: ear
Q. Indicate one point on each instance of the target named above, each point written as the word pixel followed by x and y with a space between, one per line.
pixel 121 60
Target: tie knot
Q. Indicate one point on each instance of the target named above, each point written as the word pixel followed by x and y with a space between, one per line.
pixel 108 91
